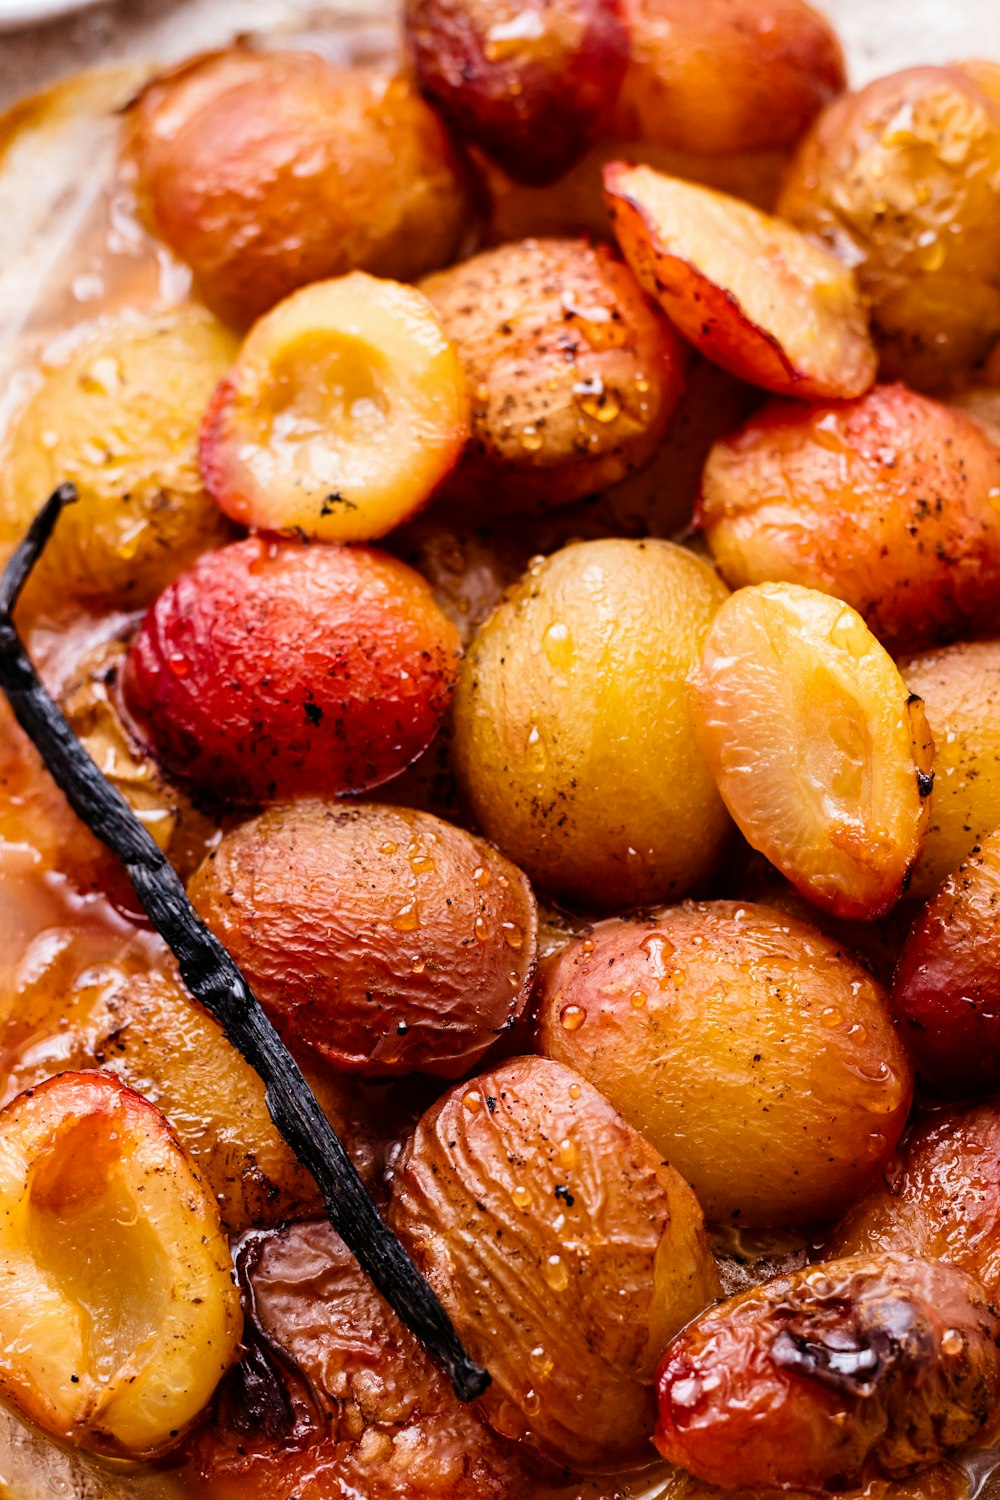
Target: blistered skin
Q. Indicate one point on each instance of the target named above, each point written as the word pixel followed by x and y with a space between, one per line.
pixel 565 1250
pixel 750 292
pixel 946 993
pixel 960 689
pixel 574 735
pixel 753 1052
pixel 800 1381
pixel 900 180
pixel 726 75
pixel 336 1398
pixel 572 372
pixel 118 417
pixel 891 503
pixel 381 939
pixel 821 754
pixel 118 1313
pixel 268 170
pixel 271 669
pixel 940 1199
pixel 530 84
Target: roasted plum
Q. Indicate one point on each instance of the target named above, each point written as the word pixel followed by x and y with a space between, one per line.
pixel 268 170
pixel 564 1249
pixel 821 754
pixel 887 1359
pixel 271 669
pixel 346 408
pixel 747 1047
pixel 573 373
pixel 118 1315
pixel 574 736
pixel 380 939
pixel 335 1398
pixel 899 180
pixel 890 502
pixel 529 83
pixel 748 290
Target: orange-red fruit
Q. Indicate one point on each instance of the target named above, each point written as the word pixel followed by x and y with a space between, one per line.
pixel 946 992
pixel 268 170
pixel 752 293
pixel 821 755
pixel 345 409
pixel 271 669
pixel 890 502
pixel 381 939
pixel 888 1359
pixel 528 82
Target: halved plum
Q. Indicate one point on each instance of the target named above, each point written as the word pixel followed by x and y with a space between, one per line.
pixel 752 293
pixel 345 409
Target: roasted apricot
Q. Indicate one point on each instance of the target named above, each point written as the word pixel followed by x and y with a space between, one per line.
pixel 890 502
pixel 899 180
pixel 572 372
pixel 381 939
pixel 939 1198
pixel 960 689
pixel 946 993
pixel 887 1359
pixel 119 1314
pixel 270 669
pixel 574 736
pixel 820 753
pixel 749 291
pixel 335 1397
pixel 725 76
pixel 119 416
pixel 346 408
pixel 530 84
pixel 747 1047
pixel 268 170
pixel 565 1251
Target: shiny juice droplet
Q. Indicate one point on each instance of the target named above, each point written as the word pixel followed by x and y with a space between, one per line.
pixel 407 919
pixel 558 646
pixel 512 935
pixel 658 949
pixel 556 1273
pixel 575 1091
pixel 521 1198
pixel 572 1017
pixel 850 633
pixel 481 876
pixel 388 847
pixel 638 998
pixel 482 930
pixel 473 1102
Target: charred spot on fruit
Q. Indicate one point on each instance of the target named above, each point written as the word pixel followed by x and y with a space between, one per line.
pixel 214 980
pixel 868 1344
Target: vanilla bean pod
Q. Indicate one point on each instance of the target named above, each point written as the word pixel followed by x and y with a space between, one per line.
pixel 216 982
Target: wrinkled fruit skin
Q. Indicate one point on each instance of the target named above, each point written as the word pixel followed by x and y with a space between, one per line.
pixel 800 1381
pixel 380 939
pixel 747 1047
pixel 564 1250
pixel 887 502
pixel 271 669
pixel 335 1398
pixel 532 98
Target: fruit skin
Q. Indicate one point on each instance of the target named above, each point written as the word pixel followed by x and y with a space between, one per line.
pixel 565 1251
pixel 337 1399
pixel 272 669
pixel 960 689
pixel 725 76
pixel 939 1197
pixel 573 373
pixel 530 84
pixel 899 179
pixel 746 289
pixel 888 502
pixel 743 1044
pixel 821 755
pixel 946 991
pixel 383 940
pixel 282 448
pixel 118 1308
pixel 118 417
pixel 888 1359
pixel 574 735
pixel 268 170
